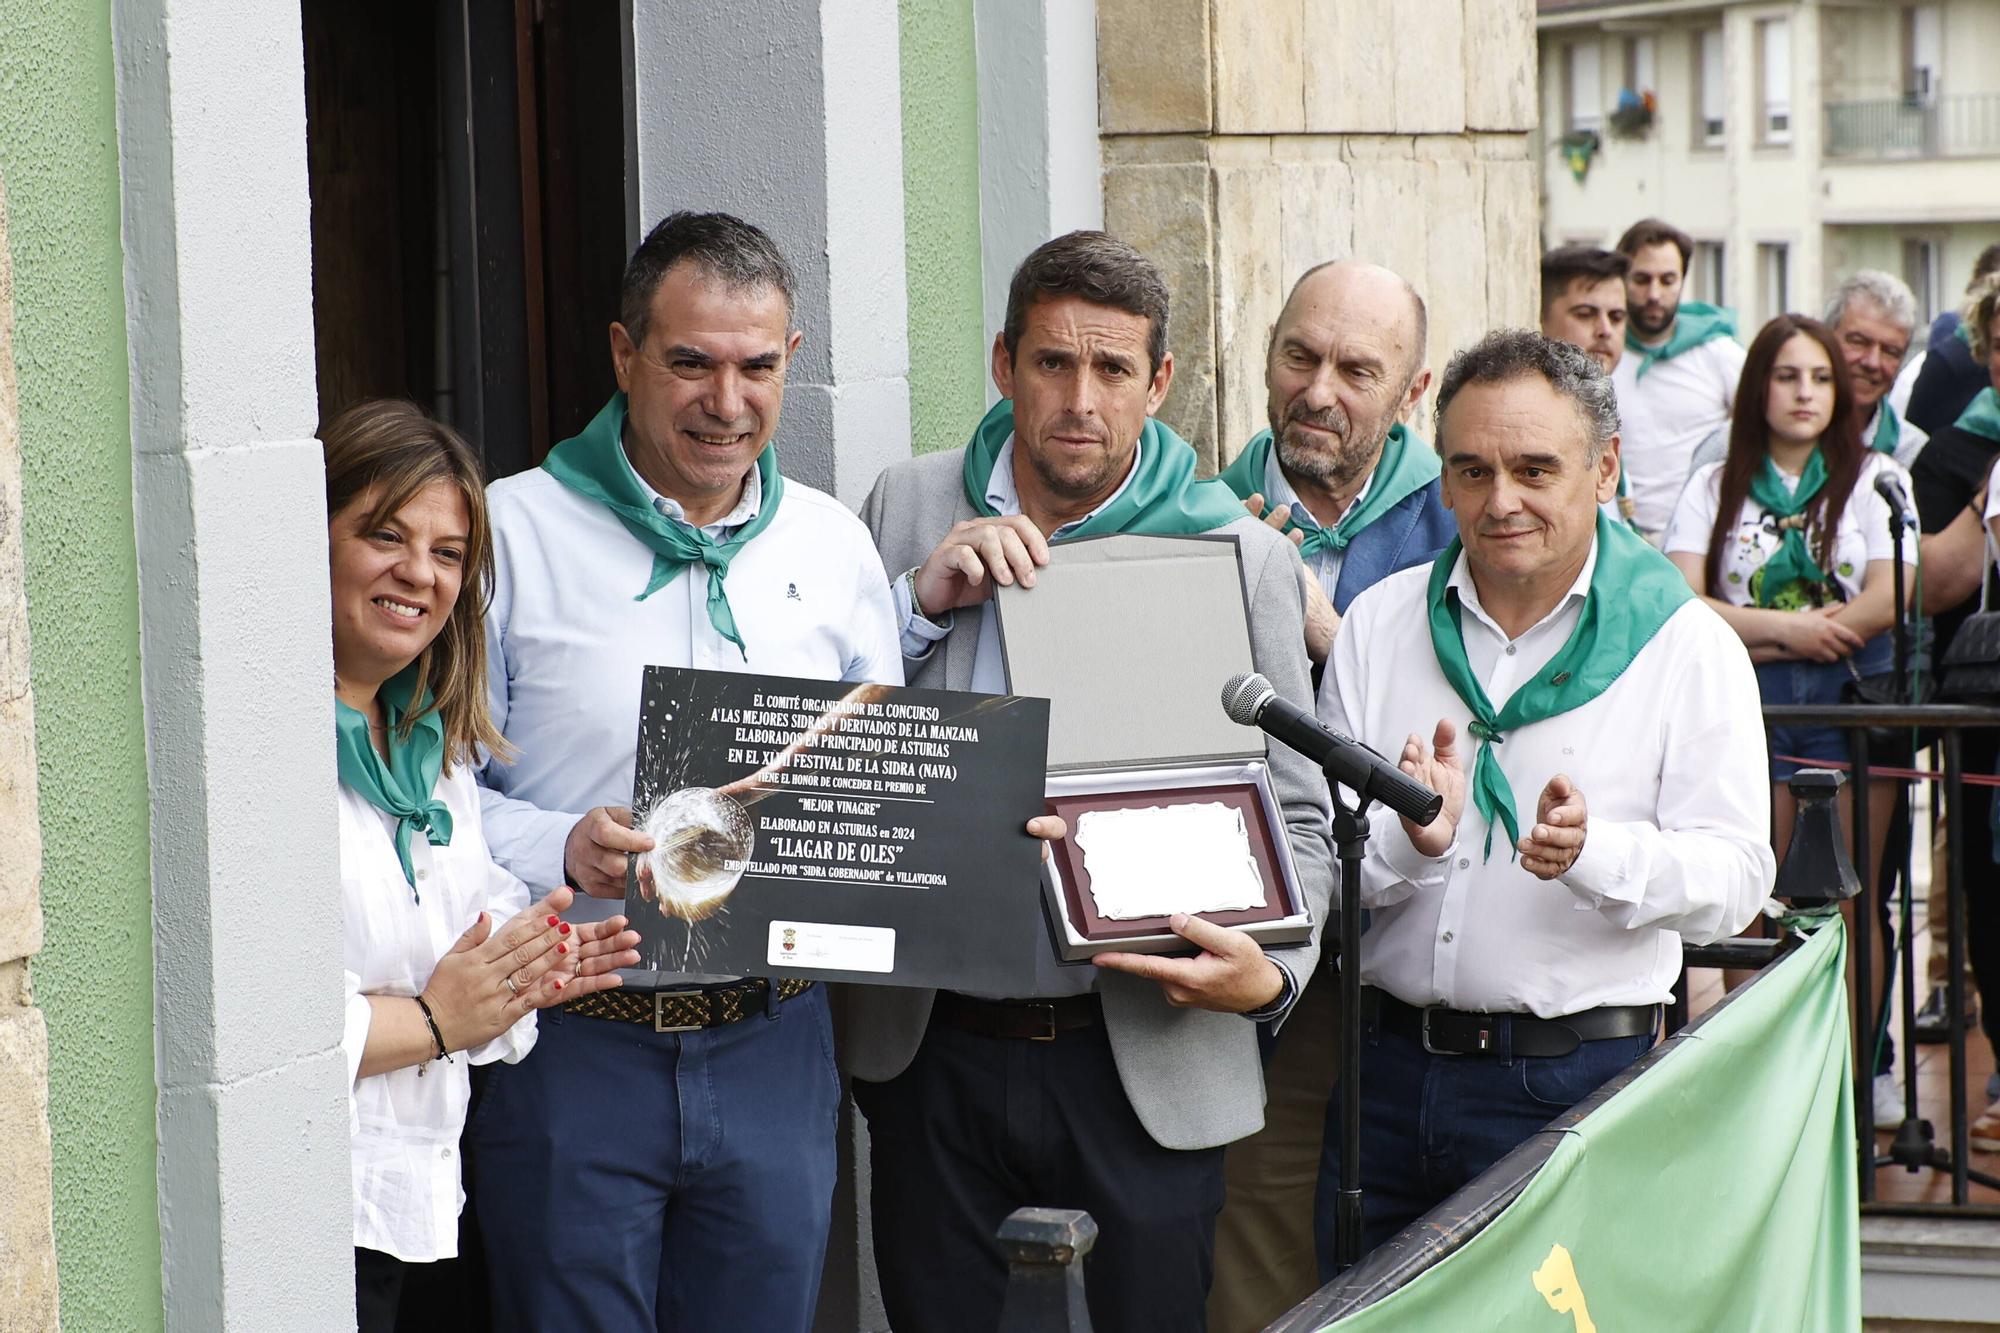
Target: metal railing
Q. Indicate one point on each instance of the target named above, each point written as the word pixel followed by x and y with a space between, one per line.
pixel 1965 125
pixel 1943 728
pixel 1448 1227
pixel 1046 1249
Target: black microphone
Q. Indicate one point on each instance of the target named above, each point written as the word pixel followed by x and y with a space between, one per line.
pixel 1889 486
pixel 1250 701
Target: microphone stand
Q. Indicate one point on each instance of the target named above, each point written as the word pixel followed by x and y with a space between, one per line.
pixel 1899 630
pixel 1350 837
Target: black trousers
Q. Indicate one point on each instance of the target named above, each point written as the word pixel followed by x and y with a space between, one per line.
pixel 378 1290
pixel 979 1126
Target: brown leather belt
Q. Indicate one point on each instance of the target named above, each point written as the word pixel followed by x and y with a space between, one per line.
pixel 1018 1020
pixel 1444 1031
pixel 687 1010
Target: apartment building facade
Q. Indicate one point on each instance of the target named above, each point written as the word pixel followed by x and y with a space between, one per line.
pixel 1796 142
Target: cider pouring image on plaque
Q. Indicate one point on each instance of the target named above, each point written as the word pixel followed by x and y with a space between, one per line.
pixel 824 829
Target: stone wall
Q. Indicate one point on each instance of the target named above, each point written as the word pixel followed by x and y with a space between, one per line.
pixel 1246 140
pixel 27 1234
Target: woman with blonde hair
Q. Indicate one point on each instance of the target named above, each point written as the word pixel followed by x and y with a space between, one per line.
pixel 433 984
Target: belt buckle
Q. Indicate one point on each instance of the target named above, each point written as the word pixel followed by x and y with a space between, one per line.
pixel 1048 1012
pixel 660 997
pixel 1484 1040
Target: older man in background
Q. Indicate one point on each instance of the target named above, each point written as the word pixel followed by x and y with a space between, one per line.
pixel 1341 473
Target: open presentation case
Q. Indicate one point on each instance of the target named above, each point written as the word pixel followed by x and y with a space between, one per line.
pixel 1131 638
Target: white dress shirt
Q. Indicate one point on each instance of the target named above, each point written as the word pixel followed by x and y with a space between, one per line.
pixel 1671 764
pixel 567 644
pixel 404 1124
pixel 1910 437
pixel 1664 416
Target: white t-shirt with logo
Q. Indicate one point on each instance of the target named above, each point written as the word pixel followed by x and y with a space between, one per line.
pixel 1863 535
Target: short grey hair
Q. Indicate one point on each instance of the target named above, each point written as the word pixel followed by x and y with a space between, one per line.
pixel 1511 354
pixel 1885 291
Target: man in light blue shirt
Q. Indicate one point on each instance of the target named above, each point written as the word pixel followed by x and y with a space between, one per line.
pixel 665 1160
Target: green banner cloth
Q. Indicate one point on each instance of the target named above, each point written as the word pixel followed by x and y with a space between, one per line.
pixel 1163 497
pixel 1792 562
pixel 1717 1190
pixel 1633 590
pixel 405 786
pixel 1406 465
pixel 1694 324
pixel 1981 416
pixel 593 464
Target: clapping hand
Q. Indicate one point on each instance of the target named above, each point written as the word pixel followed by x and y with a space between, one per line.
pixel 1437 767
pixel 1561 822
pixel 490 979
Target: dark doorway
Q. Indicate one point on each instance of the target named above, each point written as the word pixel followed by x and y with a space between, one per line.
pixel 467 166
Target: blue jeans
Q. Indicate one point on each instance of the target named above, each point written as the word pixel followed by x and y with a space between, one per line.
pixel 1431 1123
pixel 1823 683
pixel 638 1181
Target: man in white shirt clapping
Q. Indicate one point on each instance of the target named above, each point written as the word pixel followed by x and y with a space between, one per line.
pixel 1596 734
pixel 665 1160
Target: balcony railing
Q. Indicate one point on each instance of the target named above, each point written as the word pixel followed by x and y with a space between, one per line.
pixel 1967 125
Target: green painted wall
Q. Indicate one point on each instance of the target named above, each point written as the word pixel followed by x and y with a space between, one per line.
pixel 94 976
pixel 948 362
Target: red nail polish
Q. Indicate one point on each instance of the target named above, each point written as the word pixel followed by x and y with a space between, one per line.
pixel 558 983
pixel 564 928
pixel 562 948
pixel 554 919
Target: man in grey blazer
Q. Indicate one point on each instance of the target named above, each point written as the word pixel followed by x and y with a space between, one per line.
pixel 1114 1091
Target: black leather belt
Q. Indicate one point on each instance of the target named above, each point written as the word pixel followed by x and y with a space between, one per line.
pixel 1444 1031
pixel 1018 1020
pixel 689 1009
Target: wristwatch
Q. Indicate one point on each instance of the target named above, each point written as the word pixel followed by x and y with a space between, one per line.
pixel 910 586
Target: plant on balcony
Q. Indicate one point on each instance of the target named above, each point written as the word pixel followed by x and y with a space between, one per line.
pixel 1633 117
pixel 1577 148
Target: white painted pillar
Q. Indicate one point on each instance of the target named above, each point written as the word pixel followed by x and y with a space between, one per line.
pixel 789 114
pixel 1040 168
pixel 255 1214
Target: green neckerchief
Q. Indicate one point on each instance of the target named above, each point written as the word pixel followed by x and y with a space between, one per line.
pixel 1981 416
pixel 1406 465
pixel 1161 497
pixel 1633 590
pixel 1695 324
pixel 1792 562
pixel 406 786
pixel 593 464
pixel 1888 430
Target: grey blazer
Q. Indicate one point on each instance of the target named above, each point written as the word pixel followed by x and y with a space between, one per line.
pixel 1193 1077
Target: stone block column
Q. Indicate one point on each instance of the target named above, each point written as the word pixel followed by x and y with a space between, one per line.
pixel 256 1212
pixel 28 1294
pixel 1247 140
pixel 789 114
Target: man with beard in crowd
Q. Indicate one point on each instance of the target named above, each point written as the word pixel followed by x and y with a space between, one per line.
pixel 1679 382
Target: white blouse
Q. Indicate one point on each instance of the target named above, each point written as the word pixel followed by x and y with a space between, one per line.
pixel 405 1125
pixel 1863 535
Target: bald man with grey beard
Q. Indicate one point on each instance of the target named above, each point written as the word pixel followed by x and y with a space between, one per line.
pixel 1341 472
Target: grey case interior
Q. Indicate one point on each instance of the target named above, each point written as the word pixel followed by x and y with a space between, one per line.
pixel 1131 638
